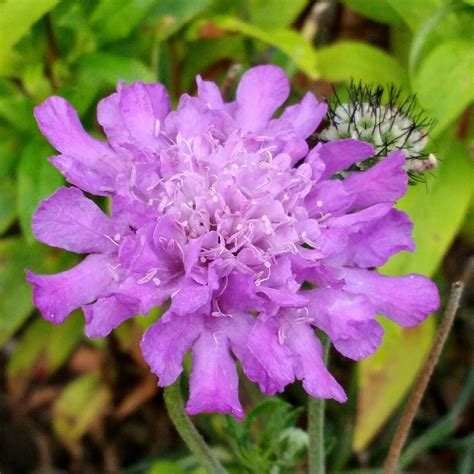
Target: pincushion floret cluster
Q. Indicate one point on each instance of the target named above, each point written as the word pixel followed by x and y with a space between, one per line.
pixel 222 210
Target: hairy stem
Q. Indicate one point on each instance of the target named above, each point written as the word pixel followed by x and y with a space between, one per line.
pixel 316 451
pixel 188 432
pixel 403 429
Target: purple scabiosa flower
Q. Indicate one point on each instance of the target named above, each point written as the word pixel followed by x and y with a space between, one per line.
pixel 222 209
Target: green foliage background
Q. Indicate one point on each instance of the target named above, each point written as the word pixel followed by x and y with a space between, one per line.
pixel 81 49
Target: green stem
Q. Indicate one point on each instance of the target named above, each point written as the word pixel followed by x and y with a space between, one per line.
pixel 316 451
pixel 188 432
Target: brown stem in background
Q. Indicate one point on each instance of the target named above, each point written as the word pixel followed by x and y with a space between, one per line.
pixel 319 22
pixel 229 80
pixel 415 398
pixel 175 78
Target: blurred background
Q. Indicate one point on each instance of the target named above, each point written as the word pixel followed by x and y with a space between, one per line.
pixel 68 404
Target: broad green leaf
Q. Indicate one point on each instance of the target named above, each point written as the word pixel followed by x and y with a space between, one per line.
pixel 348 60
pixel 42 346
pixel 414 13
pixel 15 293
pixel 7 204
pixel 378 10
pixel 297 48
pixel 81 404
pixel 445 81
pixel 166 467
pixel 452 21
pixel 437 211
pixel 71 15
pixel 15 107
pixel 63 340
pixel 275 13
pixel 112 68
pixel 168 16
pixel 17 16
pixel 35 81
pixel 8 152
pixel 22 361
pixel 385 377
pixel 10 63
pixel 203 53
pixel 37 179
pixel 83 91
pixel 116 19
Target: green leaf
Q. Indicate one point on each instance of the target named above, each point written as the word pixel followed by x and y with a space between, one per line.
pixel 8 153
pixel 414 13
pixel 116 19
pixel 166 467
pixel 445 81
pixel 385 377
pixel 37 179
pixel 377 10
pixel 348 60
pixel 7 204
pixel 43 346
pixel 82 92
pixel 168 16
pixel 22 362
pixel 203 53
pixel 297 48
pixel 275 13
pixel 438 212
pixel 15 107
pixel 62 341
pixel 112 68
pixel 17 17
pixel 35 81
pixel 15 293
pixel 82 403
pixel 32 341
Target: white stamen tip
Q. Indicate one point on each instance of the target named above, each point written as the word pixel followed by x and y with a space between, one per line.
pixel 281 335
pixel 157 127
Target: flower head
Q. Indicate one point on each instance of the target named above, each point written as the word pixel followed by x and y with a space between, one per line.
pixel 391 127
pixel 223 210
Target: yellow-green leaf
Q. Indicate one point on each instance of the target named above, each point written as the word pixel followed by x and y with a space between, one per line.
pixel 378 10
pixel 445 81
pixel 81 403
pixel 16 18
pixel 438 211
pixel 348 60
pixel 414 13
pixel 37 179
pixel 42 346
pixel 7 204
pixel 112 68
pixel 297 48
pixel 275 13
